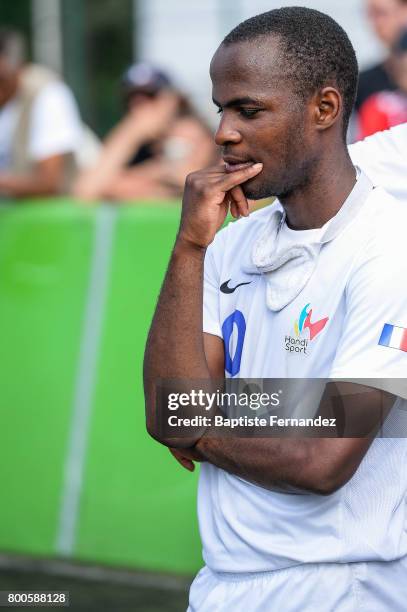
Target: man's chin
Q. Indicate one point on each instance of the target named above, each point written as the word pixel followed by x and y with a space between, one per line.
pixel 254 192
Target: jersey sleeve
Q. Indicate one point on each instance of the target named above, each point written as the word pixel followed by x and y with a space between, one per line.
pixel 373 344
pixel 383 157
pixel 211 313
pixel 55 126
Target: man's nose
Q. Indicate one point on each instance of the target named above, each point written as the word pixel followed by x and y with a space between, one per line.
pixel 226 133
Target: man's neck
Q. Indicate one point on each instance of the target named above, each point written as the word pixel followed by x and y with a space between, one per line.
pixel 314 204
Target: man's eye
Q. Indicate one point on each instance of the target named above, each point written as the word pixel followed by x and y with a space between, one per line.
pixel 248 112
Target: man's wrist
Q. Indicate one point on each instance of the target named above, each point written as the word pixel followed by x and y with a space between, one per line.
pixel 185 246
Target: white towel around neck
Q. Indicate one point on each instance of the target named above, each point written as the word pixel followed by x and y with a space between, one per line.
pixel 287 271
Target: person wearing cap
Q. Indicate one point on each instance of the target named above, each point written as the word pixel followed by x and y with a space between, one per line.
pixel 153 148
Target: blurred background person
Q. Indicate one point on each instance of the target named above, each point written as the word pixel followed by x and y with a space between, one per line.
pixel 42 140
pixel 387 109
pixel 158 142
pixel 388 19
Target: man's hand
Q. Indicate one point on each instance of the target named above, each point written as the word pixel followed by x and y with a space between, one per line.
pixel 186 457
pixel 208 195
pixel 153 118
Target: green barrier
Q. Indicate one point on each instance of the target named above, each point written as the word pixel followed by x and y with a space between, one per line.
pixel 80 476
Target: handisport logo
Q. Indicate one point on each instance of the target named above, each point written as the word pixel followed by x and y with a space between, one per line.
pixel 305 331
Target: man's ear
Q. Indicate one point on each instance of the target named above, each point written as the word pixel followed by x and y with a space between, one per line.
pixel 328 107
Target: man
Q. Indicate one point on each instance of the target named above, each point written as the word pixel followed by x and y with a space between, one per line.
pixel 308 523
pixel 388 19
pixel 40 128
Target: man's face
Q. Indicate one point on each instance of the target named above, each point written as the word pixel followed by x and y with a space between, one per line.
pixel 388 19
pixel 8 81
pixel 262 120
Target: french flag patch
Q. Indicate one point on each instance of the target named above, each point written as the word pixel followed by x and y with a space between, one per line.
pixel 394 337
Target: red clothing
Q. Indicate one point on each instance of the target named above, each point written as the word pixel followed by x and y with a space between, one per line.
pixel 382 111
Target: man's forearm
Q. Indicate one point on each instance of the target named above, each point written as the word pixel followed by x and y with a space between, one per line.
pixel 120 146
pixel 318 463
pixel 26 186
pixel 175 348
pixel 45 179
pixel 132 185
pixel 278 464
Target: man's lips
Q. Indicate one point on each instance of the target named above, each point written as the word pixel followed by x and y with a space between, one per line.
pixel 233 165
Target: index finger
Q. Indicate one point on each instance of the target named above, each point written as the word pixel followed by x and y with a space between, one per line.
pixel 232 179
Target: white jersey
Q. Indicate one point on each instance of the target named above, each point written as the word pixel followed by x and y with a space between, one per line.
pixel 55 125
pixel 383 157
pixel 356 303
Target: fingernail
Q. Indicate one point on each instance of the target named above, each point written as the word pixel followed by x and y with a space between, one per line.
pixel 257 166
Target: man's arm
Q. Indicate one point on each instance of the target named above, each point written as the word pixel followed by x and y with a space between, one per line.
pixel 44 181
pixel 162 176
pixel 132 184
pixel 177 349
pixel 317 465
pixel 124 140
pixel 141 124
pixel 175 346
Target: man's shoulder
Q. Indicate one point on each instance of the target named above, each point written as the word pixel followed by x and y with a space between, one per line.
pixel 383 157
pixel 382 226
pixel 34 78
pixel 386 207
pixel 377 144
pixel 383 209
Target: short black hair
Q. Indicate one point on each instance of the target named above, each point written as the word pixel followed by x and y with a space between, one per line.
pixel 316 50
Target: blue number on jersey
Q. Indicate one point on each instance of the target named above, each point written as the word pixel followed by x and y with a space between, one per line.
pixel 232 364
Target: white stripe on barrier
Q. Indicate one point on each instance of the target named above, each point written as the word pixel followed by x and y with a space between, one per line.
pixel 85 380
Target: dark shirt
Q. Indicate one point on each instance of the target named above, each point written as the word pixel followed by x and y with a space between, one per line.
pixel 371 81
pixel 145 152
